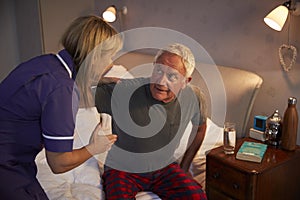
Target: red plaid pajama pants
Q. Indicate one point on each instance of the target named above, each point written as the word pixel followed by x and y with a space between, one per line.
pixel 169 183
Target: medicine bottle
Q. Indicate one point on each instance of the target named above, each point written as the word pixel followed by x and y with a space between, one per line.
pixel 290 125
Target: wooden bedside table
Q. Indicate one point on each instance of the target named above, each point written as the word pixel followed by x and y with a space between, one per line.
pixel 276 177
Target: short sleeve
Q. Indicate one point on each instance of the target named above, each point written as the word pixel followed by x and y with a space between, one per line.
pixel 58 119
pixel 104 92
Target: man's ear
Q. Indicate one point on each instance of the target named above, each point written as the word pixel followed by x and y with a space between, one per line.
pixel 187 80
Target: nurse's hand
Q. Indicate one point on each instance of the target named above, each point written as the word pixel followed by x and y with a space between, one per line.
pixel 61 162
pixel 101 140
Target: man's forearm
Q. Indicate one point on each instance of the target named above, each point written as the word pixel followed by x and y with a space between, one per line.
pixel 193 147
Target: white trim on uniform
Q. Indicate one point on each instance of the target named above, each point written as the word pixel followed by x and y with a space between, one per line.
pixel 58 137
pixel 64 64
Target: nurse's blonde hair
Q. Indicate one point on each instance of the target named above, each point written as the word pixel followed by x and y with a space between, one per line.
pixel 91 42
pixel 84 34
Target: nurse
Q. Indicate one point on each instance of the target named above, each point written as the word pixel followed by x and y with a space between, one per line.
pixel 39 100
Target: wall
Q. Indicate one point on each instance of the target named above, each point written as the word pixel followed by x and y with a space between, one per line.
pixel 234 34
pixel 56 15
pixel 32 27
pixel 8 56
pixel 20 33
pixel 231 31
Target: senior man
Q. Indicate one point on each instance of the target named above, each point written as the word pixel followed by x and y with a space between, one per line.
pixel 150 116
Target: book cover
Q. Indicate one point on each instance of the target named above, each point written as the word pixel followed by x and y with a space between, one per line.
pixel 251 151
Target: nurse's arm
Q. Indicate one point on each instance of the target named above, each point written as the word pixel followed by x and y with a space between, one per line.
pixel 61 162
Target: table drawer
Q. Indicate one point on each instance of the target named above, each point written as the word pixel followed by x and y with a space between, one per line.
pixel 226 179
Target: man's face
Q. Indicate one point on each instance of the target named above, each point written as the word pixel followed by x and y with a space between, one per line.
pixel 168 77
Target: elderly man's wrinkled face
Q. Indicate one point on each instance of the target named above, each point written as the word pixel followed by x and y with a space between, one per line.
pixel 168 77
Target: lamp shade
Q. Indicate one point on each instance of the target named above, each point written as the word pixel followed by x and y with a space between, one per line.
pixel 109 14
pixel 277 17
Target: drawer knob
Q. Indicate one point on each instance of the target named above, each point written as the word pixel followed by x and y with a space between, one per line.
pixel 235 186
pixel 216 175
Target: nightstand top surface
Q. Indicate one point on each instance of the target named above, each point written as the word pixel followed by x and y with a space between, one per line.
pixel 273 157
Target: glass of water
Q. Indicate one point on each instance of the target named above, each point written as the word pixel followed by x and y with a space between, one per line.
pixel 229 139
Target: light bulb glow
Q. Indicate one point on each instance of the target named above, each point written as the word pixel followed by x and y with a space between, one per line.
pixel 109 14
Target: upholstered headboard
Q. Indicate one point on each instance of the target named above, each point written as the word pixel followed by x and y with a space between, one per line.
pixel 230 91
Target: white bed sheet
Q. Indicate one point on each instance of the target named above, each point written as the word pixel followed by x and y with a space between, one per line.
pixel 84 182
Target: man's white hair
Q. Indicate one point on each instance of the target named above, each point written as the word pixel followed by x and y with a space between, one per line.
pixel 184 52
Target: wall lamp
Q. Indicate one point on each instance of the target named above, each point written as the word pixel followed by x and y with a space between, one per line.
pixel 277 17
pixel 276 20
pixel 110 14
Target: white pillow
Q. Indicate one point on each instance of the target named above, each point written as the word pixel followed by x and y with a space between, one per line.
pixel 213 138
pixel 118 71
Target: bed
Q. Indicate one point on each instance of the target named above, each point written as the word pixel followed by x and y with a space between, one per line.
pixel 240 88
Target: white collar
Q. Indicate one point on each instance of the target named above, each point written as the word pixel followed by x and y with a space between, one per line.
pixel 64 64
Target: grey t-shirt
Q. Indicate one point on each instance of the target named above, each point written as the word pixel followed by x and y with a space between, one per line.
pixel 144 125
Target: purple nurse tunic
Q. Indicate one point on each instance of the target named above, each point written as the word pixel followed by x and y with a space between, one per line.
pixel 38 103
